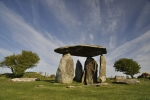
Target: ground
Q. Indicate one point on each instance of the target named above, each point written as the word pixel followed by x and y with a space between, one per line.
pixel 49 90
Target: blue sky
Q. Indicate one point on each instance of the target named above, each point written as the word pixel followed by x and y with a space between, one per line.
pixel 122 26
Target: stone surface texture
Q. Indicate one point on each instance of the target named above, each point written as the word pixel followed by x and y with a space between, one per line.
pixel 24 79
pixel 90 71
pixel 102 71
pixel 82 50
pixel 78 72
pixel 127 81
pixel 65 71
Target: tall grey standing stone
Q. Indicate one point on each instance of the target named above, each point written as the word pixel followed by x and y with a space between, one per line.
pixel 65 71
pixel 102 71
pixel 78 72
pixel 90 71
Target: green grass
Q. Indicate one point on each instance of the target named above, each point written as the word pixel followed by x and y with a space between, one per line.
pixel 48 90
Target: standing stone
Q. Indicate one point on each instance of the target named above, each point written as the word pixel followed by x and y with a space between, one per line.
pixel 102 71
pixel 83 76
pixel 78 72
pixel 65 71
pixel 90 71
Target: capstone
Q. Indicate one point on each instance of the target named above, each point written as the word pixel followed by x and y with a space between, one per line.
pixel 82 50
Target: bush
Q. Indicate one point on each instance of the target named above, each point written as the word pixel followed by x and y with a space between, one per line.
pixel 8 75
pixel 29 75
pixel 19 63
pixel 32 75
pixel 127 66
pixel 144 75
pixel 52 76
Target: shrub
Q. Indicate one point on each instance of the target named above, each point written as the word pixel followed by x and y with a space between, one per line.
pixel 32 75
pixel 144 75
pixel 52 76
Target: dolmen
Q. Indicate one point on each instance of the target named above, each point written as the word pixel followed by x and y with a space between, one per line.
pixel 88 76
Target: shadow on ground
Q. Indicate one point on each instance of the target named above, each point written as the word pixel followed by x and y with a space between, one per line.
pixel 50 81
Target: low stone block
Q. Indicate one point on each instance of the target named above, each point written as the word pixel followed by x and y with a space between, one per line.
pixel 127 81
pixel 24 79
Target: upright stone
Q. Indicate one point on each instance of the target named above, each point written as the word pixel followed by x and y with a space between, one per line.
pixel 102 71
pixel 78 72
pixel 65 71
pixel 90 71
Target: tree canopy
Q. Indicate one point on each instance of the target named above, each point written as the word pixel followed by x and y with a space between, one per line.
pixel 21 62
pixel 127 66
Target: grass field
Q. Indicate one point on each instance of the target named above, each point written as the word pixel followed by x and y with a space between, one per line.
pixel 48 90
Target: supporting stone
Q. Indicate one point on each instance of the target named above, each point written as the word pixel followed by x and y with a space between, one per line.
pixel 65 71
pixel 78 72
pixel 102 71
pixel 90 71
pixel 83 76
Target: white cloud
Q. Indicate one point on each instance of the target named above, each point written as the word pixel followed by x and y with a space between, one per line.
pixel 93 16
pixel 105 24
pixel 5 70
pixel 137 49
pixel 129 46
pixel 142 20
pixel 112 42
pixel 33 8
pixel 5 52
pixel 63 14
pixel 77 27
pixel 30 39
pixel 91 37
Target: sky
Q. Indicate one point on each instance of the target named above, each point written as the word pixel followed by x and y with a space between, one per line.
pixel 40 26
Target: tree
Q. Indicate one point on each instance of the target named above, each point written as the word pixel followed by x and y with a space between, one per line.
pixel 127 66
pixel 21 62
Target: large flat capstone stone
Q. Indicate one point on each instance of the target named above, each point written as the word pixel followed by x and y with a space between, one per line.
pixel 82 50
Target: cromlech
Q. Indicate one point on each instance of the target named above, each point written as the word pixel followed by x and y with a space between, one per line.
pixel 88 75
